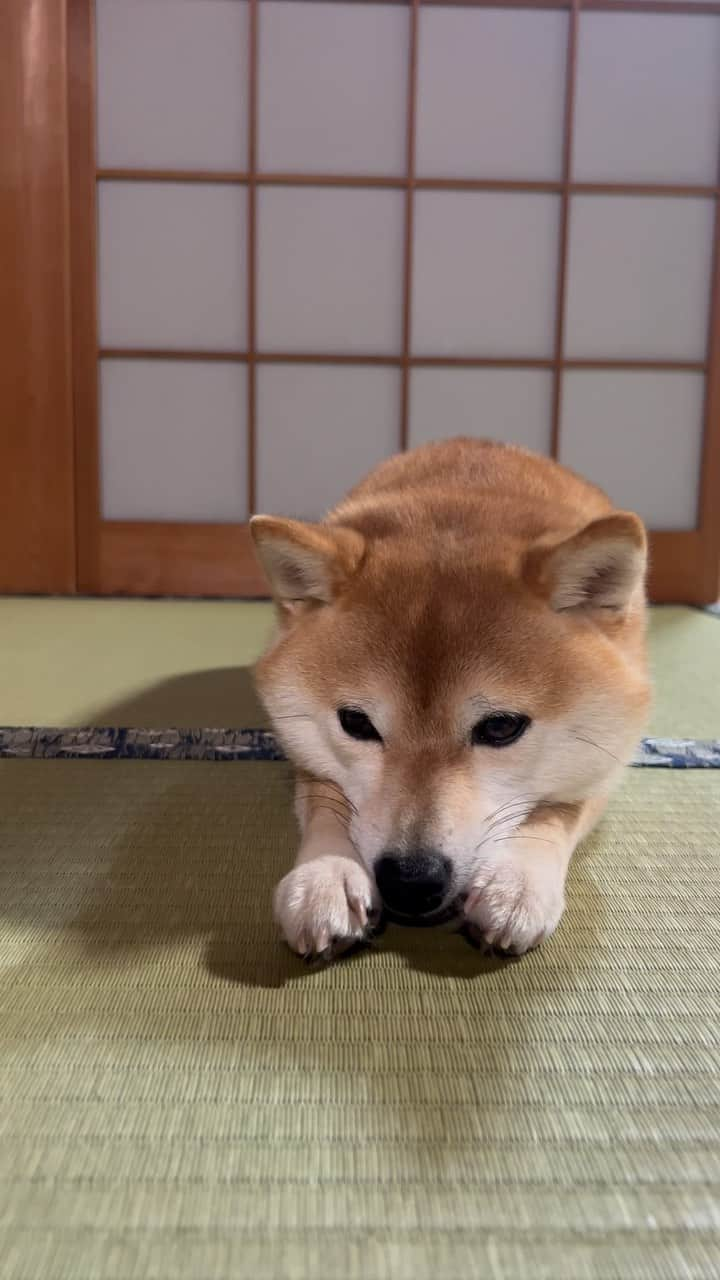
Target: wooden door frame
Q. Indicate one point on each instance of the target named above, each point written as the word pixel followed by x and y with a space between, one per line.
pixel 37 504
pixel 168 558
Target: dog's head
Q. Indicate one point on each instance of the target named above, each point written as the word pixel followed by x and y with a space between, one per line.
pixel 450 697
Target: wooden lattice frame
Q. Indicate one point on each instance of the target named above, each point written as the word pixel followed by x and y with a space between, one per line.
pixel 147 557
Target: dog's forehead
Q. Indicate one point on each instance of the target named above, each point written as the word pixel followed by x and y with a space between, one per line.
pixel 439 642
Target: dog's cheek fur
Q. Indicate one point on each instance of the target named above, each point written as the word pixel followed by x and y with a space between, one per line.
pixel 430 790
pixel 307 729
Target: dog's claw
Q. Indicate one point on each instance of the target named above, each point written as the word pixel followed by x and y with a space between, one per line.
pixel 478 939
pixel 359 909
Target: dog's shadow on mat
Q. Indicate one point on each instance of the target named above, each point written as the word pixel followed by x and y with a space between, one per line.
pixel 184 850
pixel 221 698
pixel 199 858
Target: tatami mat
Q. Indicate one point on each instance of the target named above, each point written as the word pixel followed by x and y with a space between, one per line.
pixel 155 663
pixel 183 1098
pixel 149 663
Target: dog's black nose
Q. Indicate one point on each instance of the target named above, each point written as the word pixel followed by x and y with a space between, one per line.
pixel 413 884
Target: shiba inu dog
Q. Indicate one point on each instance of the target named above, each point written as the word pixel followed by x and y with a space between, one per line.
pixel 459 675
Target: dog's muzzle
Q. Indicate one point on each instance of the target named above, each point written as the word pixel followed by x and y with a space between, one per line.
pixel 413 884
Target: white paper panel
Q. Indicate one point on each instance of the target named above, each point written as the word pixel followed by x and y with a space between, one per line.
pixel 511 405
pixel 332 87
pixel 648 98
pixel 172 265
pixel 639 277
pixel 173 440
pixel 320 429
pixel 491 90
pixel 172 83
pixel 484 273
pixel 639 436
pixel 330 270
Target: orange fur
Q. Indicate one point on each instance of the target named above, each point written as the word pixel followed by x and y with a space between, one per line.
pixel 456 580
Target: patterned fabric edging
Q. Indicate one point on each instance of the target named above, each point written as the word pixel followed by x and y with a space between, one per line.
pixel 138 744
pixel 257 744
pixel 678 753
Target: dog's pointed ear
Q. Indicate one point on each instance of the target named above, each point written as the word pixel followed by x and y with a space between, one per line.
pixel 306 562
pixel 601 567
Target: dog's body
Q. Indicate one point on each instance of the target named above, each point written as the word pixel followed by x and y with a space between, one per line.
pixel 459 675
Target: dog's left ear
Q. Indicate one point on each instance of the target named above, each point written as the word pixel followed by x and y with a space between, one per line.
pixel 306 562
pixel 601 567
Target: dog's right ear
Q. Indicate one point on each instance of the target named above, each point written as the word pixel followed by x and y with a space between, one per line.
pixel 306 562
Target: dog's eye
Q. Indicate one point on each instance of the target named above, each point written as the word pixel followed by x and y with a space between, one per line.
pixel 500 729
pixel 357 725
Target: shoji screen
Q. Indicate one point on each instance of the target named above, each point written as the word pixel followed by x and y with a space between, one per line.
pixel 322 231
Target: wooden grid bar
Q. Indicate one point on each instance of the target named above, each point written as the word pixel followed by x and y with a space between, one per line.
pixel 82 114
pixel 568 132
pixel 620 6
pixel 649 6
pixel 409 223
pixel 252 255
pixel 598 6
pixel 709 479
pixel 400 183
pixel 395 362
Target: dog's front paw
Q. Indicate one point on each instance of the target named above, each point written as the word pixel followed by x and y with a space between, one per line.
pixel 514 905
pixel 326 906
